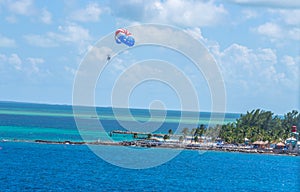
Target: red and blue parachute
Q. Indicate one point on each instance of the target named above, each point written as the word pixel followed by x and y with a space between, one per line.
pixel 125 37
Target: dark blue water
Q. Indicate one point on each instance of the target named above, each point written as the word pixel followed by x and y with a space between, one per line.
pixel 46 167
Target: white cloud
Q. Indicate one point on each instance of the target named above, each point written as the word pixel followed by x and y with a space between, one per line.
pixel 266 55
pixel 90 13
pixel 289 61
pixel 6 42
pixel 294 33
pixel 21 7
pixel 3 60
pixel 28 66
pixel 292 66
pixel 196 33
pixel 272 74
pixel 119 65
pixel 249 13
pixel 41 41
pixel 70 70
pixel 255 69
pixel 294 4
pixel 289 17
pixel 70 33
pixel 190 13
pixel 15 60
pixel 46 16
pixel 178 12
pixel 284 25
pixel 34 62
pixel 26 8
pixel 275 31
pixel 270 29
pixel 73 33
pixel 11 19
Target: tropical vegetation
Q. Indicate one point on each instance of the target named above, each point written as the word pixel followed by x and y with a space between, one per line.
pixel 260 125
pixel 256 125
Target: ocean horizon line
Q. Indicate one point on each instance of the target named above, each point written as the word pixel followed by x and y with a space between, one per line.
pixel 111 107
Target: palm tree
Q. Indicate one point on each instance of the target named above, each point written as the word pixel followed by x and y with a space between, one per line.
pixel 199 131
pixel 181 138
pixel 149 136
pixel 193 131
pixel 166 137
pixel 185 132
pixel 259 125
pixel 170 132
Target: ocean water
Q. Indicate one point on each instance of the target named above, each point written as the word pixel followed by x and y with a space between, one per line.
pixel 28 166
pixel 53 167
pixel 27 121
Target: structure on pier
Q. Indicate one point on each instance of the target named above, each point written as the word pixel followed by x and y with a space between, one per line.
pixel 293 142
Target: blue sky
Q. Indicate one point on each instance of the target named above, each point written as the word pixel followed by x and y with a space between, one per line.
pixel 256 44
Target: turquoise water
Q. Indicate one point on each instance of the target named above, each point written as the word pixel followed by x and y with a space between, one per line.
pixel 26 166
pixel 25 121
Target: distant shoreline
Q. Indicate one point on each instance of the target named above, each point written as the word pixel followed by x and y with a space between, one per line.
pixel 165 145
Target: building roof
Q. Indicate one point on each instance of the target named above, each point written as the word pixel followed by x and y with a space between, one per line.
pixel 280 144
pixel 260 142
pixel 291 139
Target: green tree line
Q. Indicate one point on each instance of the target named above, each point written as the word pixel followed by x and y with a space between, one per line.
pixel 260 125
